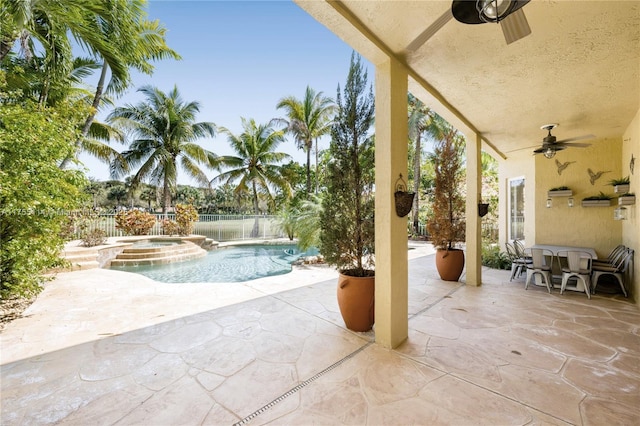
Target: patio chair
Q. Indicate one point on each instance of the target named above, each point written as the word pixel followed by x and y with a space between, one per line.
pixel 579 267
pixel 613 257
pixel 521 251
pixel 541 266
pixel 619 270
pixel 518 265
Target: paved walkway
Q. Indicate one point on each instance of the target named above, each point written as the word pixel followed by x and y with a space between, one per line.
pixel 107 347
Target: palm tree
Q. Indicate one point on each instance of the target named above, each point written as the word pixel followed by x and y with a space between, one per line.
pixel 51 22
pixel 256 166
pixel 150 194
pixel 137 41
pixel 422 122
pixel 164 132
pixel 308 120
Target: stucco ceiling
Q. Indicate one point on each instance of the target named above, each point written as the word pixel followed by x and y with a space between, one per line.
pixel 580 67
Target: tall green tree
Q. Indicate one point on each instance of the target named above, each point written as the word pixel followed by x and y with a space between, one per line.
pixel 164 133
pixel 347 218
pixel 308 119
pixel 423 122
pixel 256 167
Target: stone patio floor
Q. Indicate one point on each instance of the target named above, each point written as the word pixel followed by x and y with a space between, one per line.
pixel 103 347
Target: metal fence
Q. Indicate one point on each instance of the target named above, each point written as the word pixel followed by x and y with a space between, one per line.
pixel 489 231
pixel 217 227
pixel 237 227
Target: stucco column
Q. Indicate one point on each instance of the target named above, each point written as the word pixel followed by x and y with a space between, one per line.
pixel 391 322
pixel 473 230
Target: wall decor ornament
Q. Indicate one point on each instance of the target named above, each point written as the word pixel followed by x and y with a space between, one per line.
pixel 632 163
pixel 562 166
pixel 594 176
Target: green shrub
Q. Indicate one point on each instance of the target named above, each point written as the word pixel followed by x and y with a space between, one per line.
pixel 93 238
pixel 492 257
pixel 135 222
pixel 35 194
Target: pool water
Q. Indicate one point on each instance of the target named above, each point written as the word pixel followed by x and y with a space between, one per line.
pixel 232 264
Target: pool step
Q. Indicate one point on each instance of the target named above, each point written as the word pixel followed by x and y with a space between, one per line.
pixel 80 259
pixel 158 252
pixel 137 256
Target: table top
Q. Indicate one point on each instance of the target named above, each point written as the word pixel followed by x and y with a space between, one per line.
pixel 555 249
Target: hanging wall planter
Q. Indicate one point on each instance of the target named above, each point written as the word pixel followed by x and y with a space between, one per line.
pixel 483 209
pixel 626 200
pixel 404 199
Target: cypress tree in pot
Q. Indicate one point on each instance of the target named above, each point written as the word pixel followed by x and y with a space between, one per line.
pixel 347 224
pixel 446 225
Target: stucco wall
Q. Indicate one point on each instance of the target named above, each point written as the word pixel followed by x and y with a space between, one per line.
pixel 579 226
pixel 631 227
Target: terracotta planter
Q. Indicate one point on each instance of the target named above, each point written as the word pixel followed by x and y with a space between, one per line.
pixel 450 264
pixel 356 301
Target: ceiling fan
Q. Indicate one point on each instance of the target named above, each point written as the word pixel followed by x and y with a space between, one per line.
pixel 550 145
pixel 508 13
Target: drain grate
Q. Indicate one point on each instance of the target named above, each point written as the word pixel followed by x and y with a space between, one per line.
pixel 299 386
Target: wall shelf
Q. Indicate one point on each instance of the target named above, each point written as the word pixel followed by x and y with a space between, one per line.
pixel 596 203
pixel 560 193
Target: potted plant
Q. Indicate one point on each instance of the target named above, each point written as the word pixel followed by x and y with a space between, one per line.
pixel 446 225
pixel 560 191
pixel 600 199
pixel 620 186
pixel 346 219
pixel 627 199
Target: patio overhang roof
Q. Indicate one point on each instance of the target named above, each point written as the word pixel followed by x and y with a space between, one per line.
pixel 580 66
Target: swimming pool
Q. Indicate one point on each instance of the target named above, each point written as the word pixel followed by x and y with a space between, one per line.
pixel 230 264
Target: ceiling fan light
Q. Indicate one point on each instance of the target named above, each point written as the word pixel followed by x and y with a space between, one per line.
pixel 494 10
pixel 549 153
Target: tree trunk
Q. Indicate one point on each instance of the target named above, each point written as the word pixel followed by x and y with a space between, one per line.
pixel 309 146
pixel 256 224
pixel 316 190
pixel 165 196
pixel 6 43
pixel 416 185
pixel 92 115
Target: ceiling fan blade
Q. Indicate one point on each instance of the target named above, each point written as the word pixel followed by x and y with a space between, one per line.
pixel 577 138
pixel 577 145
pixel 515 26
pixel 430 31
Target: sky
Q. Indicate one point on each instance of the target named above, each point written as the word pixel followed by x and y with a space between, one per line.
pixel 239 58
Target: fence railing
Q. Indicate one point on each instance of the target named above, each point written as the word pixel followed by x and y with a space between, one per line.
pixel 489 231
pixel 217 227
pixel 236 227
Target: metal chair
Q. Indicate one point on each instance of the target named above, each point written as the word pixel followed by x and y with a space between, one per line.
pixel 618 270
pixel 539 265
pixel 579 267
pixel 518 265
pixel 614 256
pixel 521 251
